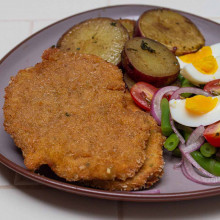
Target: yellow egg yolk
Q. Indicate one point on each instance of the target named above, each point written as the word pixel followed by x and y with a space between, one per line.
pixel 206 65
pixel 192 57
pixel 200 104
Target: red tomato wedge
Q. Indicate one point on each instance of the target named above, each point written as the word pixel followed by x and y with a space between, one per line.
pixel 212 134
pixel 142 94
pixel 213 87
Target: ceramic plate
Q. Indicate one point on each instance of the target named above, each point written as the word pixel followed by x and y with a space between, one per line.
pixel 173 185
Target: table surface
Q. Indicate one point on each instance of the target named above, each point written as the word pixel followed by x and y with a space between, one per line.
pixel 23 199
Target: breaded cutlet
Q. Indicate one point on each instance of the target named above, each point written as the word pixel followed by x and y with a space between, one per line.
pixel 150 172
pixel 71 111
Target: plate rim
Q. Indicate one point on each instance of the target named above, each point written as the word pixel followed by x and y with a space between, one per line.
pixel 104 194
pixel 97 193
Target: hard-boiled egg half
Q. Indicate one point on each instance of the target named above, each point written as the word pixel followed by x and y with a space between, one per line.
pixel 195 111
pixel 213 50
pixel 202 71
pixel 203 66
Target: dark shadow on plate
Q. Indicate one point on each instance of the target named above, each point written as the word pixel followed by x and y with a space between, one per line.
pixel 46 171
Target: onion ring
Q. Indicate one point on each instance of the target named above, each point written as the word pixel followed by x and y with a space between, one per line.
pixel 191 174
pixel 193 162
pixel 155 103
pixel 182 140
pixel 176 94
pixel 196 134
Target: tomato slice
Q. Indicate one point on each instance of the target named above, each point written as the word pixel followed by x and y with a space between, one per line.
pixel 213 87
pixel 142 94
pixel 212 134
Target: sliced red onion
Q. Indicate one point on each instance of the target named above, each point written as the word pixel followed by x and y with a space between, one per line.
pixel 182 140
pixel 176 94
pixel 191 174
pixel 155 103
pixel 193 162
pixel 151 191
pixel 195 140
pixel 196 134
pixel 178 165
pixel 195 146
pixel 184 171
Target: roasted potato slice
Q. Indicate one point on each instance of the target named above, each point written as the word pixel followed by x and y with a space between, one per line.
pixel 146 60
pixel 129 25
pixel 103 37
pixel 170 28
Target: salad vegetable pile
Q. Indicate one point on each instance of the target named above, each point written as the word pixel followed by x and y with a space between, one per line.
pixel 189 117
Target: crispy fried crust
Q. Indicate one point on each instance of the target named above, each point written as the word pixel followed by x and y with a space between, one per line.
pixel 71 112
pixel 149 173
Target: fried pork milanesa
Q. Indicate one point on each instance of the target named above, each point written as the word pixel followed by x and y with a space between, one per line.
pixel 149 173
pixel 71 112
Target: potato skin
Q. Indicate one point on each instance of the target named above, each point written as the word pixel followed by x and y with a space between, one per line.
pixel 173 35
pixel 129 25
pixel 102 36
pixel 138 76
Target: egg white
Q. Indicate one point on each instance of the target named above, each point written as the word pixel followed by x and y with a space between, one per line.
pixel 181 115
pixel 197 78
pixel 215 50
pixel 182 64
pixel 215 53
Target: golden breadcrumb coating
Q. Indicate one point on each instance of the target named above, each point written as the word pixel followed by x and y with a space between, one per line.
pixel 71 111
pixel 149 173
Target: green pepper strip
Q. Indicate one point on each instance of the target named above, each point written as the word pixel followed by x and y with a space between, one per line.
pixel 186 135
pixel 185 83
pixel 165 118
pixel 181 78
pixel 207 150
pixel 209 164
pixel 171 142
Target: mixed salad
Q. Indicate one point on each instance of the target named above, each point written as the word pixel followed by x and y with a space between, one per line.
pixel 189 114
